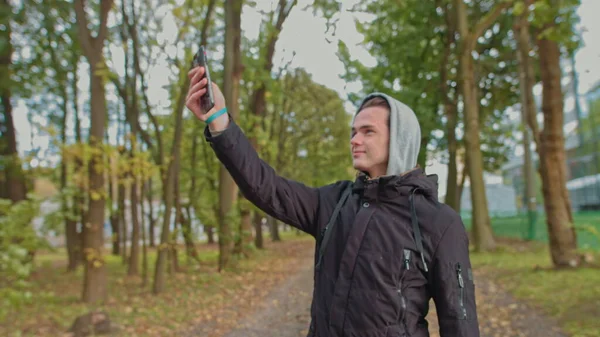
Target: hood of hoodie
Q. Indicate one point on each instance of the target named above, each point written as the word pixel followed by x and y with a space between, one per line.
pixel 405 135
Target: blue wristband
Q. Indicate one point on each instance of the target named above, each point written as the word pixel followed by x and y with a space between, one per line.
pixel 216 114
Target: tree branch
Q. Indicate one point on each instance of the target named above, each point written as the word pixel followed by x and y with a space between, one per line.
pixel 486 22
pixel 82 25
pixel 105 7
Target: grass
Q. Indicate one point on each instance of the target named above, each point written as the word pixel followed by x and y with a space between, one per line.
pixel 192 296
pixel 572 297
pixel 587 227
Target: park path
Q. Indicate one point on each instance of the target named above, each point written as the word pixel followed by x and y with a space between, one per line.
pixel 284 312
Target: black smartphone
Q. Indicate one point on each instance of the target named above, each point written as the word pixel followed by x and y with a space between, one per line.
pixel 207 101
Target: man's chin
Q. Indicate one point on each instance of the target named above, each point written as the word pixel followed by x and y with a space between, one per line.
pixel 358 166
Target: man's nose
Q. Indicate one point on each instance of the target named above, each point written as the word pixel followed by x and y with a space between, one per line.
pixel 356 139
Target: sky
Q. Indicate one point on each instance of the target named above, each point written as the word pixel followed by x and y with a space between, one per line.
pixel 315 51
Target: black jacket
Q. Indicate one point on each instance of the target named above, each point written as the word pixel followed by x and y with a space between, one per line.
pixel 376 279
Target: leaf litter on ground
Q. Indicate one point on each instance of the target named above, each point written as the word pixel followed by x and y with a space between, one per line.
pixel 197 294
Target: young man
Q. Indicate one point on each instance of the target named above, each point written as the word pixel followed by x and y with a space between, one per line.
pixel 392 245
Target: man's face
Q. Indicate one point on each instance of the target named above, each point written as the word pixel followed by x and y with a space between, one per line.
pixel 370 141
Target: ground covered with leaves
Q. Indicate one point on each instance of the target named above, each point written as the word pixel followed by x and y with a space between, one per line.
pixel 517 295
pixel 270 295
pixel 197 295
pixel 569 297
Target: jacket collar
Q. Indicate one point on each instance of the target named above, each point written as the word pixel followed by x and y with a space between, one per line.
pixel 391 186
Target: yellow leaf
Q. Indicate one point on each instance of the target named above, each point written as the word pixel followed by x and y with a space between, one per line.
pixel 95 195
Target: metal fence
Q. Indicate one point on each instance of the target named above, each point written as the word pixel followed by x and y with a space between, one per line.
pixel 587 227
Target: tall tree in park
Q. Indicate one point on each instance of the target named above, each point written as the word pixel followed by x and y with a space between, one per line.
pixel 553 27
pixel 270 31
pixel 12 184
pixel 231 84
pixel 170 178
pixel 528 108
pixel 95 275
pixel 482 230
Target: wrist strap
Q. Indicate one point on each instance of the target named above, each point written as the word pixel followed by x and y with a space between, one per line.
pixel 215 115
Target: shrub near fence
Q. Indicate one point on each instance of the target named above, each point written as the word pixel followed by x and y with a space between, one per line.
pixel 587 227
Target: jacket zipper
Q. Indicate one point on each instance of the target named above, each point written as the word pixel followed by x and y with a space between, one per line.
pixel 461 285
pixel 406 259
pixel 402 318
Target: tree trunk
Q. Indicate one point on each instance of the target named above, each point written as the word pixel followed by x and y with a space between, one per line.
pixel 482 230
pixel 67 204
pixel 245 232
pixel 144 237
pixel 123 228
pixel 274 225
pixel 258 237
pixel 186 225
pixel 563 243
pixel 74 237
pixel 133 268
pixel 210 234
pixel 73 242
pixel 451 112
pixel 521 30
pixel 169 195
pixel 244 229
pixel 95 273
pixel 461 186
pixel 113 191
pixel 258 105
pixel 151 219
pixel 452 197
pixel 14 179
pixel 232 71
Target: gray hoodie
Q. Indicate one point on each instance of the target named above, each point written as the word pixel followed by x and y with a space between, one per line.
pixel 405 135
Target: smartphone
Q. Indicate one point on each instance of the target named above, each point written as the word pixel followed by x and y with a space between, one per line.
pixel 207 101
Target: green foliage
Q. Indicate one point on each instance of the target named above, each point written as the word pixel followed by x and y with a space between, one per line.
pixel 497 68
pixel 555 20
pixel 408 42
pixel 407 53
pixel 310 131
pixel 18 241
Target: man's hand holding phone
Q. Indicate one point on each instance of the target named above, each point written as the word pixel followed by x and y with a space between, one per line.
pixel 198 88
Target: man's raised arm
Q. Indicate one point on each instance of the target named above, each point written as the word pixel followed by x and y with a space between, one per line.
pixel 287 200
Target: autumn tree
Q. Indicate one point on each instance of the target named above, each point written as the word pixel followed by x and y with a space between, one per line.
pixel 95 273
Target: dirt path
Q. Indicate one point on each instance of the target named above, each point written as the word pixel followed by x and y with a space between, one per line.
pixel 285 312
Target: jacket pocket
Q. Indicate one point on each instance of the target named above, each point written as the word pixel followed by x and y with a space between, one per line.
pixel 462 292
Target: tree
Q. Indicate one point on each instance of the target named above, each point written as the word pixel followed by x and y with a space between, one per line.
pixel 13 182
pixel 232 72
pixel 95 273
pixel 482 230
pixel 553 23
pixel 528 111
pixel 169 176
pixel 269 35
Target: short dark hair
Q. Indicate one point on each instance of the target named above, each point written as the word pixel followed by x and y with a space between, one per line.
pixel 377 101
